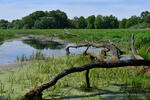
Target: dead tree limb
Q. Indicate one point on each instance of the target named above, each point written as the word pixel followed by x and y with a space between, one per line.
pixel 78 46
pixel 148 50
pixel 36 93
pixel 134 50
pixel 87 78
pixel 110 47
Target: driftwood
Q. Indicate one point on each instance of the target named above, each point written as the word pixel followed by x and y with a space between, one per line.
pixel 110 47
pixel 36 93
pixel 148 50
pixel 134 50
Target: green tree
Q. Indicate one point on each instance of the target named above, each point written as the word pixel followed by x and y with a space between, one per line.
pixel 90 22
pixel 3 24
pixel 17 24
pixel 98 22
pixel 27 22
pixel 133 20
pixel 60 17
pixel 75 22
pixel 122 23
pixel 144 14
pixel 37 15
pixel 45 23
pixel 82 23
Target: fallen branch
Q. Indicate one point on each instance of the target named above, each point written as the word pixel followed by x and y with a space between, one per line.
pixel 134 50
pixel 36 93
pixel 110 47
pixel 148 50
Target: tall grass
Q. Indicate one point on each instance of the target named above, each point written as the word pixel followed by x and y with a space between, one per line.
pixel 32 75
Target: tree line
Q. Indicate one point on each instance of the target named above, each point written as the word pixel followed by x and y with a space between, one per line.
pixel 58 19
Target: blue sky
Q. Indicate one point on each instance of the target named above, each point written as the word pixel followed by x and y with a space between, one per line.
pixel 16 9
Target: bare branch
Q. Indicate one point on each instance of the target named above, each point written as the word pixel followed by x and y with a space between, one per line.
pixel 148 50
pixel 134 50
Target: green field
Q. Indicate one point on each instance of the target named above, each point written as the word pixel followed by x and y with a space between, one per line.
pixel 122 82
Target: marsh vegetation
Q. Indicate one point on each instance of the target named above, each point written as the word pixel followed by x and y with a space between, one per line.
pixel 116 83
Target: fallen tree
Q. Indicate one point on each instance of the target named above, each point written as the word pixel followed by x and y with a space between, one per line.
pixel 36 93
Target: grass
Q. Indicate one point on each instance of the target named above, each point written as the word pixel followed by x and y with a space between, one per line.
pixel 15 82
pixel 38 55
pixel 22 79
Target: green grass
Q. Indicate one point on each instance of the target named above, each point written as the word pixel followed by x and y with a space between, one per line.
pixel 22 79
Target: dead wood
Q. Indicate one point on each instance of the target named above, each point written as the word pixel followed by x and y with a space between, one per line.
pixel 87 78
pixel 134 50
pixel 36 93
pixel 110 47
pixel 148 50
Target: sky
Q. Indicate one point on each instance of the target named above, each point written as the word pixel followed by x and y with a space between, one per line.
pixel 16 9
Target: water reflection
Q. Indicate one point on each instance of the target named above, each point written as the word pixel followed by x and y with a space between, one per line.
pixel 37 44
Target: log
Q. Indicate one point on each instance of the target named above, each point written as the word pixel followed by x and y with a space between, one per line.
pixel 36 93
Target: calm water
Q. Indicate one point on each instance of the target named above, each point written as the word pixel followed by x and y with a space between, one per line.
pixel 10 50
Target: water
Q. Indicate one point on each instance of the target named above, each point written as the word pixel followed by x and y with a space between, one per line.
pixel 10 50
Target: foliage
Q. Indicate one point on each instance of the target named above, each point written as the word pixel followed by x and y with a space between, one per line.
pixel 60 20
pixel 45 23
pixel 122 23
pixel 81 23
pixel 3 24
pixel 98 22
pixel 90 22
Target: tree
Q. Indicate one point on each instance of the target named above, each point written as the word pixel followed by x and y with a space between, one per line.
pixel 114 23
pixel 122 23
pixel 147 20
pixel 60 17
pixel 45 23
pixel 133 20
pixel 90 22
pixel 17 24
pixel 3 24
pixel 144 14
pixel 75 22
pixel 110 22
pixel 98 22
pixel 82 22
pixel 37 15
pixel 28 22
